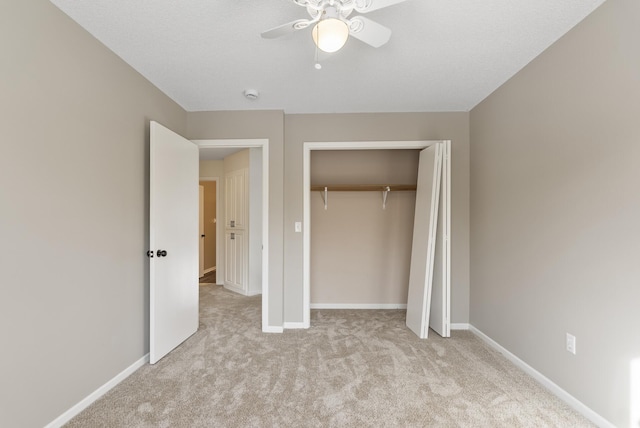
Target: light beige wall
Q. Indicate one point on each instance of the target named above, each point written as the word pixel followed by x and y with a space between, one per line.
pixel 554 211
pixel 75 117
pixel 209 223
pixel 255 220
pixel 212 168
pixel 364 166
pixel 238 160
pixel 371 263
pixel 255 124
pixel 382 127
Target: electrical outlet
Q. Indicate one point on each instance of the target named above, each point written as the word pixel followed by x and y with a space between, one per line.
pixel 571 343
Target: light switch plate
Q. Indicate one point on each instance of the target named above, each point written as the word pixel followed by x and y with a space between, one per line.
pixel 571 343
pixel 298 226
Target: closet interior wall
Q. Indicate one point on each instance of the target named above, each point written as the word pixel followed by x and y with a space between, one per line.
pixel 360 252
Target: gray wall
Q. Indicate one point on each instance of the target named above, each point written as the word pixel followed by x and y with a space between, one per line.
pixel 247 125
pixel 73 217
pixel 382 127
pixel 555 211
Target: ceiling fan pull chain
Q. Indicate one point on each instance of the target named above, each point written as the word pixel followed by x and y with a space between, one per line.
pixel 317 65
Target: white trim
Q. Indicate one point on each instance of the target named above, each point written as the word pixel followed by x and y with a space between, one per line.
pixel 206 271
pixel 272 329
pixel 264 144
pixel 447 229
pixel 239 290
pixel 293 325
pixel 307 147
pixel 545 381
pixel 95 395
pixel 358 306
pixel 459 326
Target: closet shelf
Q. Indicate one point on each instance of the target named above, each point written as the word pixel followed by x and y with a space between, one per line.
pixel 384 188
pixel 363 187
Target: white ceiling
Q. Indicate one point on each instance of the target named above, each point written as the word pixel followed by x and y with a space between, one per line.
pixel 444 55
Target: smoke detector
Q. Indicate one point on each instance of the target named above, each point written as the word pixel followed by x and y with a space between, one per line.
pixel 251 94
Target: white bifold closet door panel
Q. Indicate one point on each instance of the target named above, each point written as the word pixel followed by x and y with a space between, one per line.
pixel 439 318
pixel 173 241
pixel 424 238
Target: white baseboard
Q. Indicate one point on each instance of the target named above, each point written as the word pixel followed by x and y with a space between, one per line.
pixel 358 306
pixel 272 329
pixel 236 289
pixel 573 402
pixel 88 400
pixel 294 325
pixel 459 326
pixel 206 271
pixel 241 291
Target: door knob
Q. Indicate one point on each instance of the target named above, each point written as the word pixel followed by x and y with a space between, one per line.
pixel 162 253
pixel 150 254
pixel 202 236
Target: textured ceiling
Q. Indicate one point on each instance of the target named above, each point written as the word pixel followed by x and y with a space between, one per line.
pixel 444 55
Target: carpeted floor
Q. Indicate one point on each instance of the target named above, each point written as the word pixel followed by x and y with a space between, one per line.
pixel 352 368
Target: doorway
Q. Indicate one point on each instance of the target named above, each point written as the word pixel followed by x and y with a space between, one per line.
pixel 208 233
pixel 233 145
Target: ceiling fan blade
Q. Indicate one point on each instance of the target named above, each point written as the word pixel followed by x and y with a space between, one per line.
pixel 364 6
pixel 369 32
pixel 285 29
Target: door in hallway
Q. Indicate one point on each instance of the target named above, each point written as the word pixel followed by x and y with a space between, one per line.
pixel 201 231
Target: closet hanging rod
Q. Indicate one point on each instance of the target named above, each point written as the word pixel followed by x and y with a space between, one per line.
pixel 363 187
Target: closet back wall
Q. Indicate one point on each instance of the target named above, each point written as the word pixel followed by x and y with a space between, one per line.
pixel 360 253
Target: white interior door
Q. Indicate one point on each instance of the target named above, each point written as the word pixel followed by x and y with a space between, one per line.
pixel 201 229
pixel 424 238
pixel 173 239
pixel 439 319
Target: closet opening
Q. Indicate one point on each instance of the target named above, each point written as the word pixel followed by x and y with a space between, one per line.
pixel 373 226
pixel 359 206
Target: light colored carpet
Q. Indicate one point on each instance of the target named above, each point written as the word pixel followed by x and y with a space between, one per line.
pixel 352 368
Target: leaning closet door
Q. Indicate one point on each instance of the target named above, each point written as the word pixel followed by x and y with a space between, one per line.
pixel 424 238
pixel 439 317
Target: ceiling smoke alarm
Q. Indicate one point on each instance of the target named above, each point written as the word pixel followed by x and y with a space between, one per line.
pixel 251 94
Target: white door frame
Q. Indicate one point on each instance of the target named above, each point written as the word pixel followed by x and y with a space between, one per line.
pixel 218 244
pixel 262 143
pixel 306 192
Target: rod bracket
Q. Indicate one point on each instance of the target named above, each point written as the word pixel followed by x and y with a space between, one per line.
pixel 385 193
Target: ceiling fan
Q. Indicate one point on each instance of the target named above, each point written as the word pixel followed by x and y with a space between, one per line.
pixel 333 26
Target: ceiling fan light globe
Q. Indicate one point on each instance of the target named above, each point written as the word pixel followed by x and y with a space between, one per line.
pixel 330 34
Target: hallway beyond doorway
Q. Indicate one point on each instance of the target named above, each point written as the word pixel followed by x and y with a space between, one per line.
pixel 208 278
